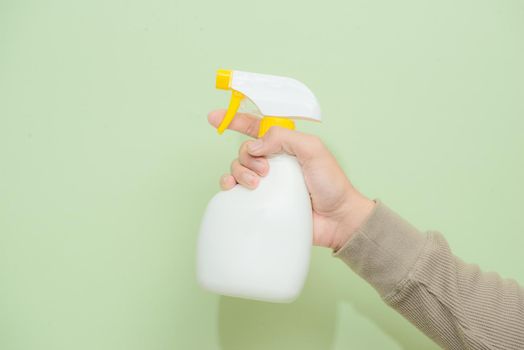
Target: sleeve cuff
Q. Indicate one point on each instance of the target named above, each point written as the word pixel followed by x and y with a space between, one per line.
pixel 383 250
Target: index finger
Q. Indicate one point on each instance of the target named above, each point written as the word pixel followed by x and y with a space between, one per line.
pixel 244 123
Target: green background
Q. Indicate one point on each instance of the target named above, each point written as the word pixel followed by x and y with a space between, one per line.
pixel 107 160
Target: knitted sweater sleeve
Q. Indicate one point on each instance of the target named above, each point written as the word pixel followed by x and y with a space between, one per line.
pixel 454 303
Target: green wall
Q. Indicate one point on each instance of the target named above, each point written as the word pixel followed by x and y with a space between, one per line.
pixel 107 161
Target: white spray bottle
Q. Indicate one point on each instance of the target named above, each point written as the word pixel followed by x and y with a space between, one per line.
pixel 256 244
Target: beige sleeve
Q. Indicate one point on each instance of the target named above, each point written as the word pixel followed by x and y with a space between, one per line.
pixel 454 303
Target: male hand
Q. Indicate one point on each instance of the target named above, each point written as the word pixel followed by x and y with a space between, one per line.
pixel 338 208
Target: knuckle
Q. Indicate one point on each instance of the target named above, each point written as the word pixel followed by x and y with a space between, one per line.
pixel 243 147
pixel 234 165
pixel 249 163
pixel 273 135
pixel 315 141
pixel 243 156
pixel 244 159
pixel 274 132
pixel 251 129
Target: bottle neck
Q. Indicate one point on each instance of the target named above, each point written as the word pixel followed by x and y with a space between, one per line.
pixel 267 122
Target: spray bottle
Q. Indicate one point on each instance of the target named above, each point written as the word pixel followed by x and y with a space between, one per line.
pixel 256 244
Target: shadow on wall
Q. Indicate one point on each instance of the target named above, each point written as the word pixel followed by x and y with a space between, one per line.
pixel 248 324
pixel 327 317
pixel 304 324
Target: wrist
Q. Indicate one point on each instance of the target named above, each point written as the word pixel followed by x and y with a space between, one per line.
pixel 357 210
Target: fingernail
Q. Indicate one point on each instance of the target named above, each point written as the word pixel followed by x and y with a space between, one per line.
pixel 255 145
pixel 248 178
pixel 224 178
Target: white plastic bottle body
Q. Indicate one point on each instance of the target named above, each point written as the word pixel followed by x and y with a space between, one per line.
pixel 256 244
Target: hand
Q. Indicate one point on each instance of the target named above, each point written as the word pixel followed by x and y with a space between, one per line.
pixel 338 208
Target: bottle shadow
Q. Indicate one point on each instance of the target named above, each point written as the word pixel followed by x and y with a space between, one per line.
pixel 313 321
pixel 245 324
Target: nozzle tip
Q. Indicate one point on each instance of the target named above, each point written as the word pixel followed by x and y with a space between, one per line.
pixel 223 79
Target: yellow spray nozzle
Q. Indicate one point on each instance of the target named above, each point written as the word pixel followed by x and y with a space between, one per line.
pixel 223 82
pixel 278 99
pixel 223 79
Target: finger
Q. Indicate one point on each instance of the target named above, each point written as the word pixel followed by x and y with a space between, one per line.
pixel 227 182
pixel 243 175
pixel 245 123
pixel 259 165
pixel 278 140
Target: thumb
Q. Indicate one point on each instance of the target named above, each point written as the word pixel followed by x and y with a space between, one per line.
pixel 278 140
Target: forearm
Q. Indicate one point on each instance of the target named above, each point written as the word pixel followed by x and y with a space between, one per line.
pixel 454 303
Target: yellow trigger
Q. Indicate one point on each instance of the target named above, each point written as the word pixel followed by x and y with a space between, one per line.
pixel 234 103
